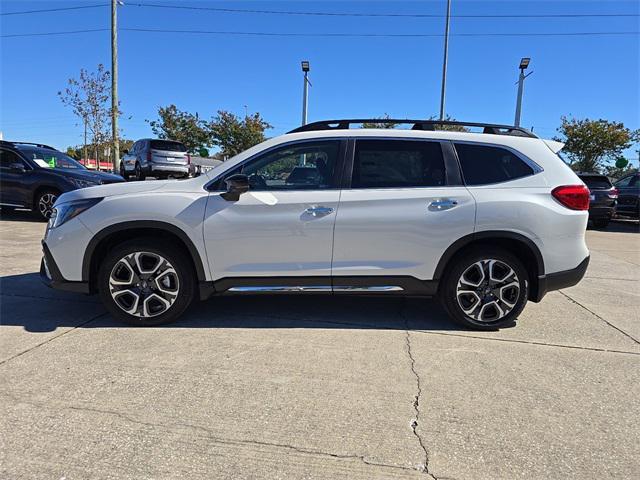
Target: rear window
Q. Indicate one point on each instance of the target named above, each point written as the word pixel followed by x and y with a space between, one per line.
pixel 483 164
pixel 596 182
pixel 397 164
pixel 168 146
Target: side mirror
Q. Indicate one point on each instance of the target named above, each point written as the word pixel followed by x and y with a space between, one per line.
pixel 236 185
pixel 16 168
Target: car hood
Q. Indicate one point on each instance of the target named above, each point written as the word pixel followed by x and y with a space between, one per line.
pixel 89 175
pixel 111 189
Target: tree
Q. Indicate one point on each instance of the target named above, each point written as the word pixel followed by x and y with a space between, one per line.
pixel 449 128
pixel 386 125
pixel 234 135
pixel 590 144
pixel 88 97
pixel 181 126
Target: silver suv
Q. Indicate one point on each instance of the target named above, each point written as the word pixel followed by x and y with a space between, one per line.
pixel 155 158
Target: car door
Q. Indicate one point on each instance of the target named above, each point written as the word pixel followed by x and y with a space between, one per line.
pixel 12 190
pixel 404 207
pixel 628 194
pixel 283 226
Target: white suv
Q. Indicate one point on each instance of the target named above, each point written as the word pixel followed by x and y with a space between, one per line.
pixel 485 221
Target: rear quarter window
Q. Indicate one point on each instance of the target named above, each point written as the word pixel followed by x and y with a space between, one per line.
pixel 484 164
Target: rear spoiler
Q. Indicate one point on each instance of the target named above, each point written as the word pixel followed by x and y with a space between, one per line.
pixel 554 146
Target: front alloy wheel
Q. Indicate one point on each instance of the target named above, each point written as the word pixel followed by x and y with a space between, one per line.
pixel 146 282
pixel 45 204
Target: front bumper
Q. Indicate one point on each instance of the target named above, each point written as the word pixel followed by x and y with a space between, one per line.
pixel 52 278
pixel 559 280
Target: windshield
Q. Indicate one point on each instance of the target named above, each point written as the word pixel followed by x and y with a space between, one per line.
pixel 167 146
pixel 46 158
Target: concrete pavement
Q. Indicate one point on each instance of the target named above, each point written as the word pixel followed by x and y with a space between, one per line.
pixel 320 387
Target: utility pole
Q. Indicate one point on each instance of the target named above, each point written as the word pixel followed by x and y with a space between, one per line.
pixel 84 150
pixel 305 91
pixel 524 63
pixel 114 85
pixel 445 59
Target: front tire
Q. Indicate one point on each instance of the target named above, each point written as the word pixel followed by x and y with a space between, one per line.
pixel 123 172
pixel 44 203
pixel 485 289
pixel 146 282
pixel 139 173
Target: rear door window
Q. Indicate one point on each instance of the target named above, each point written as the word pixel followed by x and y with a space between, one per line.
pixel 397 164
pixel 485 164
pixel 168 146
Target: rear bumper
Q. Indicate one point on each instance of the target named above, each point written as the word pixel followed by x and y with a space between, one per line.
pixel 601 212
pixel 558 280
pixel 52 278
pixel 169 168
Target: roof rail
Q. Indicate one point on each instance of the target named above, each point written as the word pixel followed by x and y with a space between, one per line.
pixel 428 125
pixel 39 145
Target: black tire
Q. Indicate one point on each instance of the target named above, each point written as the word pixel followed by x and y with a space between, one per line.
pixel 123 172
pixel 185 284
pixel 43 205
pixel 518 298
pixel 601 223
pixel 139 173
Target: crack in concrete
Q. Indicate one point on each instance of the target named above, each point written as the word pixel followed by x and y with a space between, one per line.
pixel 51 339
pixel 599 317
pixel 216 439
pixel 416 399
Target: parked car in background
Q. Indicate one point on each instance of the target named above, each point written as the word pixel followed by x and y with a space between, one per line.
pixel 33 176
pixel 484 221
pixel 603 198
pixel 155 158
pixel 629 195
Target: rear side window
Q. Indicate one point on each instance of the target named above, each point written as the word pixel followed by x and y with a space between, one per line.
pixel 483 164
pixel 397 164
pixel 168 146
pixel 596 182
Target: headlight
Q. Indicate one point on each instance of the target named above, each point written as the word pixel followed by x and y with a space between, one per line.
pixel 78 183
pixel 66 211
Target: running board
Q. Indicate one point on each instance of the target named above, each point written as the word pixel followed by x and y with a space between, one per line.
pixel 315 288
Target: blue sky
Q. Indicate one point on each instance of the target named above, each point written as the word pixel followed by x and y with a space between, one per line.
pixel 583 76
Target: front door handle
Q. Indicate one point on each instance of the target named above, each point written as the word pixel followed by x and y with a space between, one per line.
pixel 318 211
pixel 442 204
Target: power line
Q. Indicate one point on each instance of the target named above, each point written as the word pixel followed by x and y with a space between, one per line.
pixel 331 14
pixel 402 15
pixel 336 34
pixel 27 12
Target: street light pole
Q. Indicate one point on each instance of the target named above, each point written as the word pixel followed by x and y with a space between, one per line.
pixel 444 60
pixel 305 91
pixel 524 63
pixel 114 85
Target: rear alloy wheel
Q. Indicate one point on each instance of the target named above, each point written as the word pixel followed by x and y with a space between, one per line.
pixel 486 291
pixel 44 203
pixel 146 283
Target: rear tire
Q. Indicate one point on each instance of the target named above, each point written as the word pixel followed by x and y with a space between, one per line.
pixel 146 282
pixel 485 289
pixel 139 173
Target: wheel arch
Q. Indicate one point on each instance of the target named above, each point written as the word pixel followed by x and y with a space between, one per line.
pixel 41 188
pixel 524 248
pixel 115 234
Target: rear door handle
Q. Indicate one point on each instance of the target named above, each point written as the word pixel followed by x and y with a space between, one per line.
pixel 318 211
pixel 443 204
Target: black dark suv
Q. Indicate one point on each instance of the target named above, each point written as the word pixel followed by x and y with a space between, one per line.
pixel 629 188
pixel 602 198
pixel 33 175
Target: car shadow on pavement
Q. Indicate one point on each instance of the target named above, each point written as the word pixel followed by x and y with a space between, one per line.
pixel 19 216
pixel 26 302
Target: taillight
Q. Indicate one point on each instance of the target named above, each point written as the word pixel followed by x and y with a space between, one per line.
pixel 613 193
pixel 575 197
pixel 188 159
pixel 148 155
